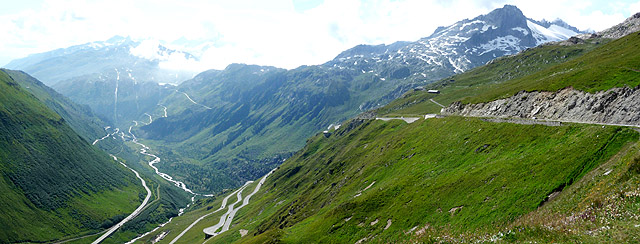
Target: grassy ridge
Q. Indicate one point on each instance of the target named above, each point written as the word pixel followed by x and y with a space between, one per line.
pixel 79 117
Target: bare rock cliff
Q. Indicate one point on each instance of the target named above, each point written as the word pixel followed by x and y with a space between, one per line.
pixel 615 106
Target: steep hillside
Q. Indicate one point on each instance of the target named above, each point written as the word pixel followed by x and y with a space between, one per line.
pixel 453 175
pixel 54 183
pixel 455 178
pixel 79 117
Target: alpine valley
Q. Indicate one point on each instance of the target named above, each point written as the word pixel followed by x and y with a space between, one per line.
pixel 499 128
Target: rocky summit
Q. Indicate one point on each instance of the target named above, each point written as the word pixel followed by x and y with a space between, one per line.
pixel 459 47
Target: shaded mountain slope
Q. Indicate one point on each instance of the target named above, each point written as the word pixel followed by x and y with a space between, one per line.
pixel 54 183
pixel 79 117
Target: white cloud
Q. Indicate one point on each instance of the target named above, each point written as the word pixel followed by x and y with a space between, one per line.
pixel 634 7
pixel 148 49
pixel 581 14
pixel 268 32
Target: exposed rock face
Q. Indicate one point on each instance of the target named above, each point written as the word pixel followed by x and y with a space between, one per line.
pixel 615 106
pixel 630 25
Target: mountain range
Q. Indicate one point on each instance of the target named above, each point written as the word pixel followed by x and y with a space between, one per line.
pixel 531 135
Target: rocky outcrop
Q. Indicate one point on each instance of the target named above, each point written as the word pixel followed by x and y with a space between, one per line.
pixel 615 106
pixel 630 25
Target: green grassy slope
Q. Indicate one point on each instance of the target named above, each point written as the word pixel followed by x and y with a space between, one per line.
pixel 418 174
pixel 593 66
pixel 79 117
pixel 54 184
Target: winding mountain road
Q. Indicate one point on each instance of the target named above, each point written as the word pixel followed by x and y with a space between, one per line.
pixel 135 212
pixel 223 206
pixel 150 119
pixel 437 103
pixel 194 102
pixel 164 108
pixel 227 218
pixel 244 202
pixel 106 136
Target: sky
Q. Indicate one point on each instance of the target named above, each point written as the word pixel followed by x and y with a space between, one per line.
pixel 281 33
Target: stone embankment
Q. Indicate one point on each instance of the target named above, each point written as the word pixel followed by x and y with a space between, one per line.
pixel 615 106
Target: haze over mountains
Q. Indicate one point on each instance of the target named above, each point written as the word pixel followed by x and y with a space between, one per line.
pixel 448 179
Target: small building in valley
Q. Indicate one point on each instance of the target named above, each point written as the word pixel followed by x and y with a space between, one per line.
pixel 434 91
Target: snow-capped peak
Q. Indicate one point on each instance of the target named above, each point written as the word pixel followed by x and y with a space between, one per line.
pixel 460 46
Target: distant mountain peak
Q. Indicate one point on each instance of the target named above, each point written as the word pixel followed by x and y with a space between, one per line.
pixel 117 39
pixel 460 46
pixel 506 16
pixel 508 11
pixel 147 60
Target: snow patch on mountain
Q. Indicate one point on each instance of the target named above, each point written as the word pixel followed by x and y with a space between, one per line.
pixel 508 44
pixel 487 27
pixel 471 23
pixel 553 33
pixel 520 29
